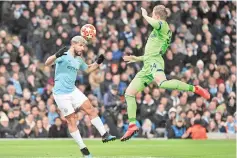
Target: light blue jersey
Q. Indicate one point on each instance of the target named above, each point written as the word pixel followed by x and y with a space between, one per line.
pixel 66 73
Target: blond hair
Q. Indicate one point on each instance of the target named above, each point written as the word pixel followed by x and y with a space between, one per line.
pixel 161 11
pixel 78 39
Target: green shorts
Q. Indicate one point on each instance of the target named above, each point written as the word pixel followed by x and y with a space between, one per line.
pixel 145 76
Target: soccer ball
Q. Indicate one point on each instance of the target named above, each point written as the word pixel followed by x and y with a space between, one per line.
pixel 88 31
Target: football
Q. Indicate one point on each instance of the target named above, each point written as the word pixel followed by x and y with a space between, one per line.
pixel 88 31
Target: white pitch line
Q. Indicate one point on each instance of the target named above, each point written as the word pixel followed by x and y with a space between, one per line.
pixel 93 157
pixel 59 139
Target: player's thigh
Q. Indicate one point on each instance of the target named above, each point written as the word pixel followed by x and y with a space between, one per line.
pixel 156 64
pixel 159 77
pixel 78 99
pixel 64 104
pixel 157 70
pixel 135 86
pixel 89 109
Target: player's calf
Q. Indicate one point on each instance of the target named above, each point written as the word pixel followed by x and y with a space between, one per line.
pixel 74 132
pixel 96 121
pixel 89 109
pixel 179 85
pixel 130 94
pixel 71 121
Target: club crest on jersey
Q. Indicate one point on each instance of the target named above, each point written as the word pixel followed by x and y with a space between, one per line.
pixel 153 35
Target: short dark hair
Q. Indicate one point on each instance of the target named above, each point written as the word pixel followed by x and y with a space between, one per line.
pixel 197 122
pixel 34 107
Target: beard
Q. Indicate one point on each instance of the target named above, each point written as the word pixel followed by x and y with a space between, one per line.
pixel 77 53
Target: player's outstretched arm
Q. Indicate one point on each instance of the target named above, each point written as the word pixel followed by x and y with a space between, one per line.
pixel 50 61
pixel 132 58
pixel 92 67
pixel 153 22
pixel 96 64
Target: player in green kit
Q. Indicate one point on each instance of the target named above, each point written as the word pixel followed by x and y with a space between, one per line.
pixel 153 70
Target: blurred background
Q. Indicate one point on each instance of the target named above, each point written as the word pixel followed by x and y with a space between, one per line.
pixel 202 52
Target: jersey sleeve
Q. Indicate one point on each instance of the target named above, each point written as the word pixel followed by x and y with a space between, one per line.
pixel 83 65
pixel 156 24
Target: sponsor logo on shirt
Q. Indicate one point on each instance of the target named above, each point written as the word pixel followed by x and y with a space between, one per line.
pixel 72 68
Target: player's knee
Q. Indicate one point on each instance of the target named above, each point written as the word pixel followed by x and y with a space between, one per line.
pixel 159 80
pixel 90 110
pixel 71 120
pixel 130 92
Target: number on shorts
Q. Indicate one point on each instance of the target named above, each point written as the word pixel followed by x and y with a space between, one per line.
pixel 153 66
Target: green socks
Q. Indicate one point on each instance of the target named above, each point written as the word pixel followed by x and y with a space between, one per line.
pixel 176 84
pixel 131 108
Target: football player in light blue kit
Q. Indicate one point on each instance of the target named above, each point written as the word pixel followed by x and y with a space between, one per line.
pixel 68 97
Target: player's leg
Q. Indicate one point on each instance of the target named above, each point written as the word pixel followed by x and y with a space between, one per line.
pixel 64 103
pixel 96 121
pixel 162 82
pixel 134 87
pixel 82 102
pixel 72 127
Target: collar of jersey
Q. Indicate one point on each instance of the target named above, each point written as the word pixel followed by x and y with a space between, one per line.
pixel 76 57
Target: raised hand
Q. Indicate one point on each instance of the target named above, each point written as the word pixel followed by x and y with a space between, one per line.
pixel 61 52
pixel 144 12
pixel 100 59
pixel 130 59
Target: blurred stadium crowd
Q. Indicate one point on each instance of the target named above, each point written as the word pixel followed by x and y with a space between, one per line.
pixel 203 51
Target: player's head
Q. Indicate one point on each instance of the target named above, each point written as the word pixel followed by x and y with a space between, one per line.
pixel 78 44
pixel 159 12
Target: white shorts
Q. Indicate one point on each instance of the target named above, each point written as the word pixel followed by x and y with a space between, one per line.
pixel 67 103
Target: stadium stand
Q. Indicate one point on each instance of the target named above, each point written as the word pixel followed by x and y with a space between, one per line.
pixel 203 51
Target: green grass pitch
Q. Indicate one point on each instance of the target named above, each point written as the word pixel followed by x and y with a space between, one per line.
pixel 130 149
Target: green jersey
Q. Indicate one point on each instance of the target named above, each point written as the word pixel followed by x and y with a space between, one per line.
pixel 157 43
pixel 159 40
